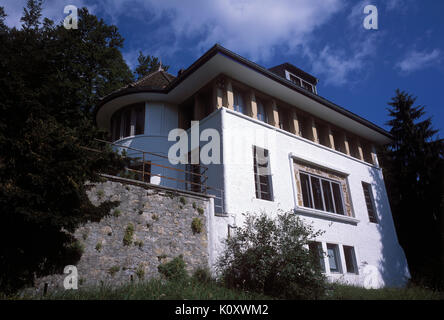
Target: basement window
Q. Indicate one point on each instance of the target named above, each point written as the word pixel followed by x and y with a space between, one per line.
pixel 321 193
pixel 369 201
pixel 350 259
pixel 333 258
pixel 262 174
pixel 315 249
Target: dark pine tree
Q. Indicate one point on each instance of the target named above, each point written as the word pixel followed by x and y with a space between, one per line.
pixel 412 166
pixel 50 81
pixel 147 64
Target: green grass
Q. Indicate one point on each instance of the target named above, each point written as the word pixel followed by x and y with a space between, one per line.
pixel 343 292
pixel 192 289
pixel 156 289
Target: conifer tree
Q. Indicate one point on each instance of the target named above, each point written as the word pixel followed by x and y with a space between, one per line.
pixel 412 166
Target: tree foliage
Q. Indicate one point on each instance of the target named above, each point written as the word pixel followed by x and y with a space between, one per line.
pixel 413 170
pixel 50 81
pixel 147 64
pixel 270 256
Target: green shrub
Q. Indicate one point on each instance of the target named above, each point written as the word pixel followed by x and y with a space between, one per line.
pixel 194 205
pixel 196 225
pixel 202 275
pixel 173 270
pixel 116 213
pixel 139 244
pixel 129 233
pixel 113 270
pixel 269 256
pixel 162 256
pixel 182 200
pixel 99 246
pixel 200 210
pixel 140 272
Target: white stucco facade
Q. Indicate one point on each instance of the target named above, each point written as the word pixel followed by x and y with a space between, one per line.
pixel 380 259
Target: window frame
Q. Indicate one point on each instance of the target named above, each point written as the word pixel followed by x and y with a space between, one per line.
pixel 124 122
pixel 301 83
pixel 257 182
pixel 337 258
pixel 331 181
pixel 352 257
pixel 264 113
pixel 367 186
pixel 239 95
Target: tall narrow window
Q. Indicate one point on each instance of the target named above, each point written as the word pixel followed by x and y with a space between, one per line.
pixel 368 195
pixel 317 193
pixel 315 249
pixel 262 174
pixel 115 126
pixel 306 191
pixel 140 119
pixel 126 122
pixel 350 259
pixel 338 198
pixel 333 258
pixel 239 105
pixel 261 114
pixel 328 198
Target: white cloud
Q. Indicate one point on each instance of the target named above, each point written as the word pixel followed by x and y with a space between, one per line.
pixel 256 29
pixel 337 66
pixel 249 27
pixel 416 60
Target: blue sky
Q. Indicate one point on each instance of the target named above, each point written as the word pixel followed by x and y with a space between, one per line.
pixel 358 69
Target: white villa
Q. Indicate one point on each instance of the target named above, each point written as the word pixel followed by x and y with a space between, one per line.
pixel 282 147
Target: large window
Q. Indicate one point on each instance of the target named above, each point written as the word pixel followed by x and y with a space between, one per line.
pixel 128 121
pixel 321 194
pixel 369 202
pixel 262 174
pixel 239 104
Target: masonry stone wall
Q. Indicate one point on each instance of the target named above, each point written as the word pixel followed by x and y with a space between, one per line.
pixel 162 223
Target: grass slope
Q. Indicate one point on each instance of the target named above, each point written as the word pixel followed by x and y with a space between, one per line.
pixel 192 289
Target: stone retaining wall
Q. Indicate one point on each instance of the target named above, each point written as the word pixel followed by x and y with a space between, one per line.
pixel 162 223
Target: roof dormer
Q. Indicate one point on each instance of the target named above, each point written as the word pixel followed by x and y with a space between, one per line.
pixel 297 76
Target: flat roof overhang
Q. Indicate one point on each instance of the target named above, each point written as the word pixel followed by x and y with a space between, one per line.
pixel 219 60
